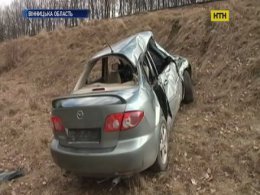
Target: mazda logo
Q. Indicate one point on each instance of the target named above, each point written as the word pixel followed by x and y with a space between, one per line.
pixel 80 114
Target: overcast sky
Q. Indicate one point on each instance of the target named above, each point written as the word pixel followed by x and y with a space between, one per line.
pixel 5 2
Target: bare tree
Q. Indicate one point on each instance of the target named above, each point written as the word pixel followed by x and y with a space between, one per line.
pixel 13 25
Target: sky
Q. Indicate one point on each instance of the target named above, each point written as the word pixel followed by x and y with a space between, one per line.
pixel 5 2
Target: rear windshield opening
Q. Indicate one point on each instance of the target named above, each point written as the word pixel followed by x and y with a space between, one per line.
pixel 109 73
pixel 111 70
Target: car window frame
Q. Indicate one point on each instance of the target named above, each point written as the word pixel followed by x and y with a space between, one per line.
pixel 152 64
pixel 151 68
pixel 152 47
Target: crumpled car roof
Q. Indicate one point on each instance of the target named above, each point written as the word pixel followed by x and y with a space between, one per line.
pixel 131 47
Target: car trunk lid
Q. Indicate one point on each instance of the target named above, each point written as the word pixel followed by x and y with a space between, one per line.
pixel 83 118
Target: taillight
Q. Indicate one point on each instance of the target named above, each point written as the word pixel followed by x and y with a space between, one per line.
pixel 57 124
pixel 123 121
pixel 131 119
pixel 113 122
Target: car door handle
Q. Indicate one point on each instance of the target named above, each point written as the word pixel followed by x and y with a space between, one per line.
pixel 165 82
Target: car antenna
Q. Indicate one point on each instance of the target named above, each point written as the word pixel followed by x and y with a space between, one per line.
pixel 109 46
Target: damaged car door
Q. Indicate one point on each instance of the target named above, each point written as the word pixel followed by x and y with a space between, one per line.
pixel 156 82
pixel 168 75
pixel 163 71
pixel 174 87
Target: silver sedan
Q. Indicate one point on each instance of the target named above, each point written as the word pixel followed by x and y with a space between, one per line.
pixel 117 119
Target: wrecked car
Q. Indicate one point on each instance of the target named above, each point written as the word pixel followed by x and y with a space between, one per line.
pixel 117 120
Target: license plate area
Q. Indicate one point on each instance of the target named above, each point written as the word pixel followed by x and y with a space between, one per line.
pixel 84 135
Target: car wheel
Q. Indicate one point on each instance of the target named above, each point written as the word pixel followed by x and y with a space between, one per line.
pixel 162 156
pixel 188 88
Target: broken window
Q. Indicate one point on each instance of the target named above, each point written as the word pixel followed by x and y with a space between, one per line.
pixel 149 74
pixel 95 74
pixel 110 69
pixel 158 57
pixel 112 72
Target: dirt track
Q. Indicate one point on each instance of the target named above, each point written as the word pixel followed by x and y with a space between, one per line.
pixel 215 143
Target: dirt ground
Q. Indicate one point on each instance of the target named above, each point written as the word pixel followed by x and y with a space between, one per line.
pixel 215 143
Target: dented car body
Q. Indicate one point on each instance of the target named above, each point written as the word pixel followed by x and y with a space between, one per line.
pixel 117 119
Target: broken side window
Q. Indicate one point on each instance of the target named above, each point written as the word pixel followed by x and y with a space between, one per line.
pixel 157 56
pixel 147 70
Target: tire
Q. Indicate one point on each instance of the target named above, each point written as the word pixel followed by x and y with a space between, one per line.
pixel 187 88
pixel 161 162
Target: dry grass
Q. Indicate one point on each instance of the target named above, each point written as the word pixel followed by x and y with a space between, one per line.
pixel 11 57
pixel 215 141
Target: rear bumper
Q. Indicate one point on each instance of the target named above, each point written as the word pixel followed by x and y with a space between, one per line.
pixel 128 157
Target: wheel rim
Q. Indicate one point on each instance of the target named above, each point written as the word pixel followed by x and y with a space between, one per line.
pixel 163 144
